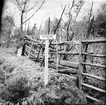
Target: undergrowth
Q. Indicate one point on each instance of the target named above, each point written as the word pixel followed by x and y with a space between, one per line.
pixel 15 89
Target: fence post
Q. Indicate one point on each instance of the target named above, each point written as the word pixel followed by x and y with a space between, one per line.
pixel 80 70
pixel 31 47
pixel 57 54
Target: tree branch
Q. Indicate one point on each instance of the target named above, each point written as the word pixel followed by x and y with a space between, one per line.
pixel 59 20
pixel 24 6
pixel 32 7
pixel 19 6
pixel 34 12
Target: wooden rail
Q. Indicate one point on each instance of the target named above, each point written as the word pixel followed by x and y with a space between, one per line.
pixel 35 43
pixel 96 65
pixel 93 55
pixel 32 49
pixel 26 36
pixel 92 98
pixel 69 64
pixel 93 76
pixel 93 87
pixel 94 41
pixel 66 42
pixel 63 52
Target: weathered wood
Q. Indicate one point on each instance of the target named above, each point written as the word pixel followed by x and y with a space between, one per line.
pixel 93 87
pixel 93 76
pixel 69 64
pixel 32 55
pixel 80 70
pixel 46 73
pixel 63 52
pixel 39 51
pixel 52 47
pixel 67 42
pixel 27 41
pixel 70 53
pixel 26 36
pixel 68 71
pixel 60 66
pixel 92 98
pixel 96 65
pixel 26 50
pixel 25 54
pixel 93 55
pixel 94 41
pixel 32 49
pixel 57 56
pixel 35 41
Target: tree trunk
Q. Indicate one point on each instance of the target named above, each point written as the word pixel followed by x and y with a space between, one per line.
pixel 8 40
pixel 22 13
pixel 68 26
pixel 21 37
pixel 0 39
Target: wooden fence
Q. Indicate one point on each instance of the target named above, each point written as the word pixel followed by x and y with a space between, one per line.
pixel 81 64
pixel 34 49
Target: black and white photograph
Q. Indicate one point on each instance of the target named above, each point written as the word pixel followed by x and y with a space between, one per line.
pixel 52 52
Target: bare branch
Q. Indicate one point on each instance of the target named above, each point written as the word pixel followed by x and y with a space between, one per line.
pixel 32 7
pixel 24 5
pixel 19 6
pixel 64 12
pixel 79 11
pixel 91 11
pixel 34 12
pixel 59 20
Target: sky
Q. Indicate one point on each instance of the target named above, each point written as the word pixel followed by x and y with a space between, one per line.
pixel 52 9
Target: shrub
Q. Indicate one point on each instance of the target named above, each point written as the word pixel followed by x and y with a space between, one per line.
pixel 15 90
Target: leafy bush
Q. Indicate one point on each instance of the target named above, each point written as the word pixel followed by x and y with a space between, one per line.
pixel 15 89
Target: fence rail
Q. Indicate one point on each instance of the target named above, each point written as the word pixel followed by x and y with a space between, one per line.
pixel 93 55
pixel 63 52
pixel 92 98
pixel 66 42
pixel 93 87
pixel 94 41
pixel 93 76
pixel 66 65
pixel 96 65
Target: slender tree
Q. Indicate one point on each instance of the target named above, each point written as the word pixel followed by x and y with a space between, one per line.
pixel 26 6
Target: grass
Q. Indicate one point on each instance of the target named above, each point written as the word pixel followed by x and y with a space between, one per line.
pixel 24 83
